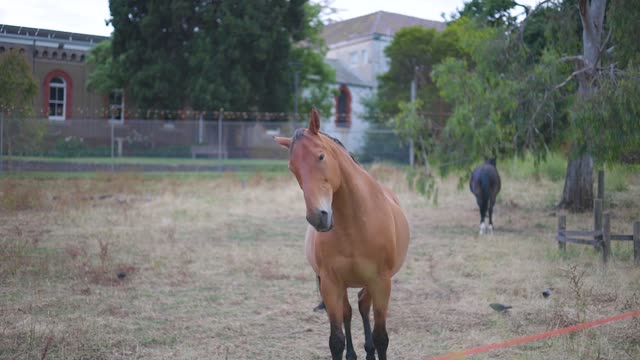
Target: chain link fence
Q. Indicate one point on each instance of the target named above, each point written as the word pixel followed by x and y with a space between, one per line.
pixel 214 139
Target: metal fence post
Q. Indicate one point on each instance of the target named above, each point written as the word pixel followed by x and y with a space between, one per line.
pixel 112 140
pixel 636 242
pixel 220 136
pixel 1 140
pixel 200 126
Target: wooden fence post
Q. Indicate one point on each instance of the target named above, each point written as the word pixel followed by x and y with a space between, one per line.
pixel 562 226
pixel 636 242
pixel 597 217
pixel 601 184
pixel 606 237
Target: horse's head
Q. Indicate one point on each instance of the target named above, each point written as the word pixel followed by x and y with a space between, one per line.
pixel 313 162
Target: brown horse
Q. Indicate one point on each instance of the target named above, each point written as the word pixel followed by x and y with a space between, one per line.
pixel 357 236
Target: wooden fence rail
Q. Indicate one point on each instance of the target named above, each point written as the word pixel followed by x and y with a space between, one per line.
pixel 601 239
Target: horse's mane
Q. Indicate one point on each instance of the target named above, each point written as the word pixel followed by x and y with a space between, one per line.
pixel 341 145
pixel 300 133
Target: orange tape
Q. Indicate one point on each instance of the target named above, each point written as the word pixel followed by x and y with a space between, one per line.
pixel 526 339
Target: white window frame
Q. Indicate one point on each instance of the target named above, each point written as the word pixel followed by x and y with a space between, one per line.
pixel 113 108
pixel 364 56
pixel 353 58
pixel 57 85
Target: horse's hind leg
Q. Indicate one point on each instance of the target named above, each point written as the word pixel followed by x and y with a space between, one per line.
pixel 482 206
pixel 364 305
pixel 320 306
pixel 351 353
pixel 490 228
pixel 492 203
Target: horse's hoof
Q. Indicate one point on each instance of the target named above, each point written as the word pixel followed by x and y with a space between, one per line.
pixel 482 229
pixel 320 307
pixel 491 229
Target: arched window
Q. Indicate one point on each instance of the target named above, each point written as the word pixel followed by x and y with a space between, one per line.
pixel 58 90
pixel 343 107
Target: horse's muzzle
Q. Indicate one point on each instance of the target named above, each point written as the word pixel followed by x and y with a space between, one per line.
pixel 321 220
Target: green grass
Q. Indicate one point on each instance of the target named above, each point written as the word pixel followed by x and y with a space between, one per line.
pixel 553 167
pixel 243 169
pixel 154 161
pixel 178 175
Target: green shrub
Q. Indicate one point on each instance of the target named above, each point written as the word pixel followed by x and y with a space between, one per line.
pixel 615 179
pixel 553 167
pixel 170 151
pixel 72 146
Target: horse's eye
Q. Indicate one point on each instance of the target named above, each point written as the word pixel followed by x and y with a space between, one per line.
pixel 321 157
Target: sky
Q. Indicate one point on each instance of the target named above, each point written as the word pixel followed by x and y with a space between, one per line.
pixel 89 16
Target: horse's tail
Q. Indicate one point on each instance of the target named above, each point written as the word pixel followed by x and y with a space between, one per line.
pixel 485 191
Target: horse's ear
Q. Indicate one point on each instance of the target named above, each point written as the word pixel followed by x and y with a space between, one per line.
pixel 285 142
pixel 314 121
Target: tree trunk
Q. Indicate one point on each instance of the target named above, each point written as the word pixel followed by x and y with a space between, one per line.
pixel 578 182
pixel 578 185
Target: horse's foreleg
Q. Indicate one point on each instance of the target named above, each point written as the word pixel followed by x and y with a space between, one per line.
pixel 364 305
pixel 380 296
pixel 333 297
pixel 351 353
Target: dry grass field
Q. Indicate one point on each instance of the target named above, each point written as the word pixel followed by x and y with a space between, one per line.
pixel 127 266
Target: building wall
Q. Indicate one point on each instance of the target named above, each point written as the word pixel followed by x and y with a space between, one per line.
pixel 43 60
pixel 368 67
pixel 353 136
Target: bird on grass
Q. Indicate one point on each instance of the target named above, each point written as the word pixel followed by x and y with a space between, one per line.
pixel 500 307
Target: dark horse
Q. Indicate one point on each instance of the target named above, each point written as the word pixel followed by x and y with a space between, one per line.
pixel 485 185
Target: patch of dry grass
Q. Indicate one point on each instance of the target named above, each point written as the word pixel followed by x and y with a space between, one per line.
pixel 124 266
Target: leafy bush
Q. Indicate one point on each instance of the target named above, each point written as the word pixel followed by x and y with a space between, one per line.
pixel 552 167
pixel 615 179
pixel 170 151
pixel 72 146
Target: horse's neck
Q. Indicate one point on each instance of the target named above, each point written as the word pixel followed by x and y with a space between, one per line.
pixel 355 185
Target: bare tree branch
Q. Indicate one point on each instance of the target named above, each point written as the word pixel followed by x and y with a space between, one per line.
pixel 577 58
pixel 573 74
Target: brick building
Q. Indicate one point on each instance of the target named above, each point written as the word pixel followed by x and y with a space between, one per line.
pixel 58 61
